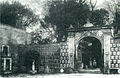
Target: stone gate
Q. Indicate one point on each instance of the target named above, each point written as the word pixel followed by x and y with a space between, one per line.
pixel 103 34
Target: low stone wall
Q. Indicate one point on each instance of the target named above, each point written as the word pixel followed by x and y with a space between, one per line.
pixel 49 57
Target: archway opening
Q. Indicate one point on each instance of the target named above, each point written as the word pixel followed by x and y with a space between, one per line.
pixel 89 54
pixel 31 60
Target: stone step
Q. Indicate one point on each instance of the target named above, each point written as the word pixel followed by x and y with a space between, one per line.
pixel 94 71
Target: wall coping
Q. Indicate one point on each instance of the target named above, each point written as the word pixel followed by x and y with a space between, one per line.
pixel 86 29
pixel 8 27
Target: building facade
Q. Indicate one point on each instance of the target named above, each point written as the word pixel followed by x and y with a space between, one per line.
pixel 10 38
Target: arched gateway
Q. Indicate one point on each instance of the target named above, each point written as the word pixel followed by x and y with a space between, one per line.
pixel 89 47
pixel 89 54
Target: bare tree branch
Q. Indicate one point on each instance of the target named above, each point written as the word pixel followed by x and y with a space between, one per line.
pixel 92 5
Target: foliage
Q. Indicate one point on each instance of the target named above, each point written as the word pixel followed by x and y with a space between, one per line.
pixel 116 23
pixel 117 19
pixel 114 10
pixel 63 14
pixel 17 15
pixel 37 38
pixel 99 17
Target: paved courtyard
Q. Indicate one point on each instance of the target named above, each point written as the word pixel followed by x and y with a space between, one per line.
pixel 65 76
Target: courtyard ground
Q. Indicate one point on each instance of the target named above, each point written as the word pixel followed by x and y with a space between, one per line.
pixel 65 76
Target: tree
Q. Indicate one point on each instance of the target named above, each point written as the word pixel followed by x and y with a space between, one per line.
pixel 37 38
pixel 99 17
pixel 92 5
pixel 117 19
pixel 17 15
pixel 113 7
pixel 62 14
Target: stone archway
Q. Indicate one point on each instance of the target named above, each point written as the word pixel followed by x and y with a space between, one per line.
pixel 89 54
pixel 102 34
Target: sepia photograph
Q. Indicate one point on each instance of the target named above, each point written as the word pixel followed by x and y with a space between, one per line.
pixel 59 38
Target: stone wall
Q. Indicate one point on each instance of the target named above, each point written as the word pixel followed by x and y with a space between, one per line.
pixel 115 53
pixel 12 37
pixel 64 56
pixel 55 56
pixel 49 55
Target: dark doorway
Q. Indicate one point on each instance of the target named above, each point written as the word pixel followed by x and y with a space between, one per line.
pixel 89 54
pixel 29 57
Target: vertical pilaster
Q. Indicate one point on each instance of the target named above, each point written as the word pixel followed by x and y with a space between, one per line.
pixel 4 66
pixel 106 53
pixel 71 48
pixel 10 64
